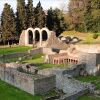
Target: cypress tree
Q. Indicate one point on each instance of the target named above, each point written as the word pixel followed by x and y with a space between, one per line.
pixel 21 16
pixel 8 24
pixel 30 14
pixel 50 19
pixel 39 16
pixel 55 21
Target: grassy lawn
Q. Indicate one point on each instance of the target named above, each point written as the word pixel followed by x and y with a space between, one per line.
pixel 38 60
pixel 14 49
pixel 88 98
pixel 44 66
pixel 87 38
pixel 8 92
pixel 9 60
pixel 95 80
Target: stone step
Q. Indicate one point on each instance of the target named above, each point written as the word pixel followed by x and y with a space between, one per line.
pixel 72 85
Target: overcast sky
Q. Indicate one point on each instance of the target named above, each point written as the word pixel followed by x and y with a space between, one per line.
pixel 46 4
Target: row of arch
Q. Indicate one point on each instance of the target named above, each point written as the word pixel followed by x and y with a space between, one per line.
pixel 32 36
pixel 62 61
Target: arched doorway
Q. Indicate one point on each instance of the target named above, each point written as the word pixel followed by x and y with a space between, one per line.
pixel 37 36
pixel 44 35
pixel 30 37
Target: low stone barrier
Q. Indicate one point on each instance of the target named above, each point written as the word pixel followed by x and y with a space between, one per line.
pixel 21 54
pixel 33 84
pixel 35 51
pixel 73 96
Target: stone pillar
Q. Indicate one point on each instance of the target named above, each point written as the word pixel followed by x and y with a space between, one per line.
pixel 33 38
pixel 26 38
pixel 40 39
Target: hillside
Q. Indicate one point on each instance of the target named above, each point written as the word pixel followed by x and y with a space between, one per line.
pixel 87 38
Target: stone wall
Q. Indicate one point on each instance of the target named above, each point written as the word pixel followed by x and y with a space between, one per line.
pixel 90 60
pixel 13 55
pixel 46 72
pixel 75 70
pixel 33 84
pixel 36 51
pixel 73 96
pixel 72 71
pixel 98 59
pixel 67 83
pixel 43 85
pixel 92 48
pixel 21 54
pixel 48 51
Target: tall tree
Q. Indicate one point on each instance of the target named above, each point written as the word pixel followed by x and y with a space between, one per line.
pixel 76 13
pixel 39 16
pixel 92 15
pixel 50 19
pixel 85 15
pixel 56 21
pixel 8 24
pixel 30 14
pixel 21 15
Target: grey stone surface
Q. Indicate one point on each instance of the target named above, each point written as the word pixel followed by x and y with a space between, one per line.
pixel 66 83
pixel 22 54
pixel 33 84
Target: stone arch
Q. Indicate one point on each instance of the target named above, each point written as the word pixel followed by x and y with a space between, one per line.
pixel 45 30
pixel 27 35
pixel 34 32
pixel 40 32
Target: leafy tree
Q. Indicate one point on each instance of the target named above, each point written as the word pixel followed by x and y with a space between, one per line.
pixel 39 16
pixel 85 15
pixel 8 24
pixel 76 13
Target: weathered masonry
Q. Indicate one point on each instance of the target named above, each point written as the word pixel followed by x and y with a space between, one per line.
pixel 33 84
pixel 33 36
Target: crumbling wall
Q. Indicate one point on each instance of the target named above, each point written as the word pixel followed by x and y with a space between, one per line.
pixel 33 84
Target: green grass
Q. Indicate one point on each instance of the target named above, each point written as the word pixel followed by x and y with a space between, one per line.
pixel 8 92
pixel 88 98
pixel 38 60
pixel 9 59
pixel 9 50
pixel 94 79
pixel 87 38
pixel 46 65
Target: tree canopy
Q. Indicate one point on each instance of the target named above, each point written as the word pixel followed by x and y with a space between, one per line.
pixel 85 15
pixel 8 24
pixel 82 15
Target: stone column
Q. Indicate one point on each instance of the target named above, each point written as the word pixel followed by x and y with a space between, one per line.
pixel 40 39
pixel 26 38
pixel 33 38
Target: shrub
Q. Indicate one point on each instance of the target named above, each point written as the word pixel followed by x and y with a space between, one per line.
pixel 95 36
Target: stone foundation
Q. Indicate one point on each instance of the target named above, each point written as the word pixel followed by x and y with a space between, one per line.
pixel 33 84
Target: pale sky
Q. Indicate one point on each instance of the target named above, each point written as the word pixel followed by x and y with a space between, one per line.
pixel 46 4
